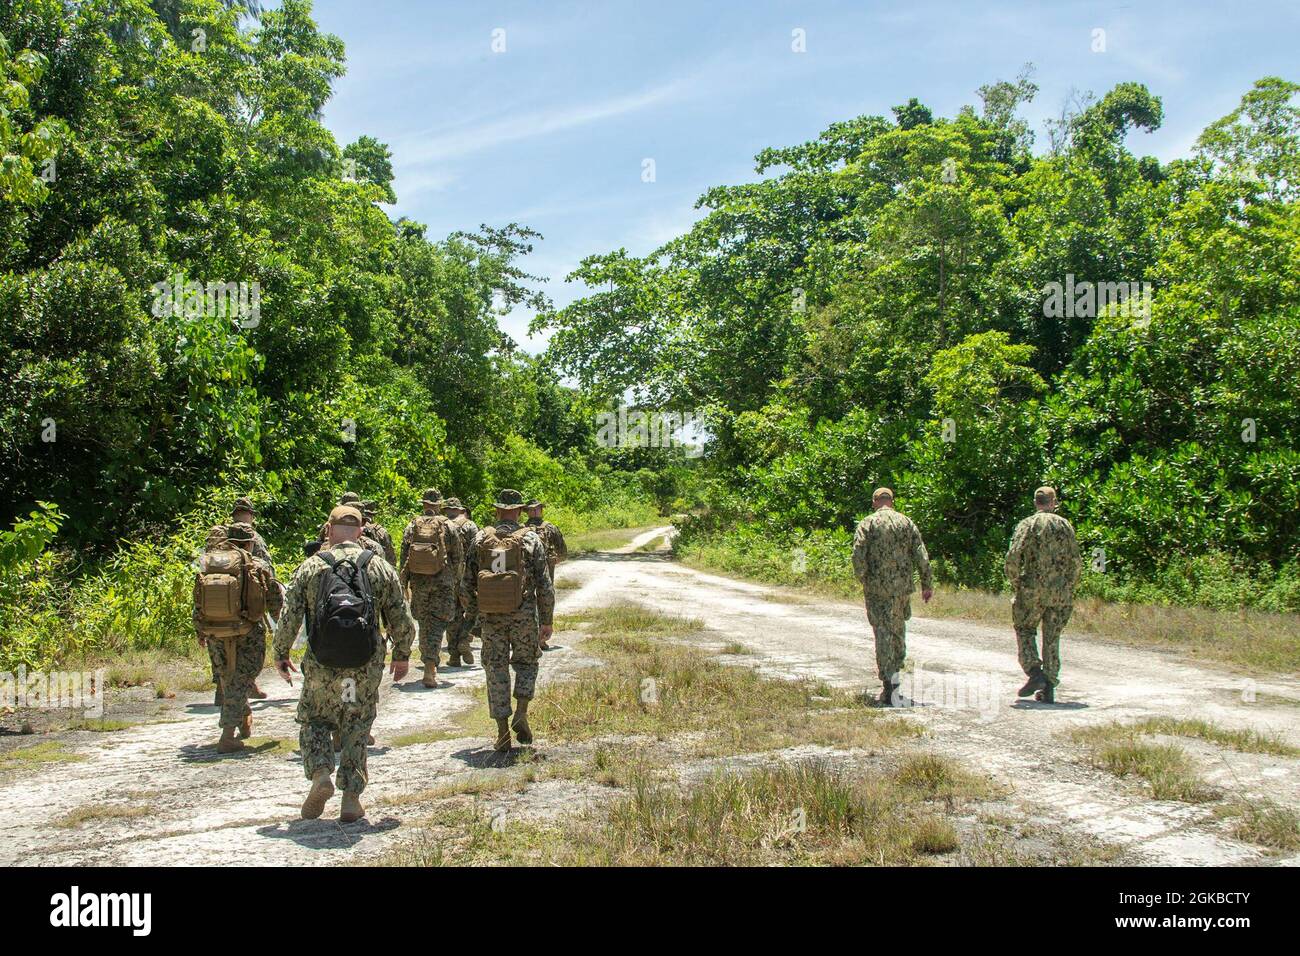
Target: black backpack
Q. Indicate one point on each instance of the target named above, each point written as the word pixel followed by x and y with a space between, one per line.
pixel 344 628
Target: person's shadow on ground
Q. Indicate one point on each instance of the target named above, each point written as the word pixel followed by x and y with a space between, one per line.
pixel 326 833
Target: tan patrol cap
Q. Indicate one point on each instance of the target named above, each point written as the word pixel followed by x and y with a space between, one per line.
pixel 346 514
pixel 882 493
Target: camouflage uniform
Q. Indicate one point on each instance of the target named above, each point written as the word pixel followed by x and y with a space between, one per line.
pixel 235 688
pixel 258 549
pixel 341 700
pixel 511 640
pixel 433 597
pixel 365 541
pixel 217 538
pixel 460 633
pixel 887 547
pixel 552 540
pixel 379 534
pixel 1043 565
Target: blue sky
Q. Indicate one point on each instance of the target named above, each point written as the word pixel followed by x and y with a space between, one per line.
pixel 552 132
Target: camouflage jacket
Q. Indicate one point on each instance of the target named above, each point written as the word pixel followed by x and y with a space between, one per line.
pixel 538 589
pixel 468 531
pixel 379 534
pixel 367 542
pixel 447 578
pixel 552 539
pixel 1043 561
pixel 887 548
pixel 300 601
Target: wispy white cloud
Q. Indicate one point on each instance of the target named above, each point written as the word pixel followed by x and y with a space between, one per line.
pixel 440 146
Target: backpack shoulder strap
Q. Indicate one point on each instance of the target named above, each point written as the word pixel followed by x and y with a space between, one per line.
pixel 328 558
pixel 363 559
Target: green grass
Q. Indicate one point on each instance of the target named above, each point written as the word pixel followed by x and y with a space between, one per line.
pixel 168 674
pixel 1264 823
pixel 603 539
pixel 1167 770
pixel 1251 640
pixel 654 544
pixel 651 684
pixel 807 812
pixel 37 754
pixel 1242 741
pixel 100 725
pixel 102 811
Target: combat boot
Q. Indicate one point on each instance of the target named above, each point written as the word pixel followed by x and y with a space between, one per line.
pixel 322 788
pixel 430 675
pixel 520 723
pixel 467 656
pixel 453 659
pixel 352 809
pixel 503 735
pixel 257 693
pixel 246 727
pixel 1037 681
pixel 229 743
pixel 217 698
pixel 1047 695
pixel 886 698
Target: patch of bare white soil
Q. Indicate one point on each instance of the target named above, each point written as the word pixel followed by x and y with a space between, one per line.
pixel 205 809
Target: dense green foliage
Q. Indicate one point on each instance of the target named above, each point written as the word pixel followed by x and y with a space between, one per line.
pixel 880 309
pixel 179 142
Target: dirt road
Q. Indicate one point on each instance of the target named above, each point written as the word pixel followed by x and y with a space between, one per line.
pixel 157 793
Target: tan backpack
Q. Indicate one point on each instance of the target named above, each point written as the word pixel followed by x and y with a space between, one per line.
pixel 501 572
pixel 229 592
pixel 427 555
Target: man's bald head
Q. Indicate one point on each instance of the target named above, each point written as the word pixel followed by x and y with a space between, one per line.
pixel 1045 498
pixel 882 498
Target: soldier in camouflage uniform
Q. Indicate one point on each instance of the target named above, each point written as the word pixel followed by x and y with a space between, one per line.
pixel 512 639
pixel 353 500
pixel 887 548
pixel 377 532
pixel 341 700
pixel 552 540
pixel 433 597
pixel 236 678
pixel 241 512
pixel 1043 565
pixel 462 630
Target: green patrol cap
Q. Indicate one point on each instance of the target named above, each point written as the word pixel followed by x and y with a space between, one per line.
pixel 369 508
pixel 453 503
pixel 509 498
pixel 242 504
pixel 349 498
pixel 431 496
